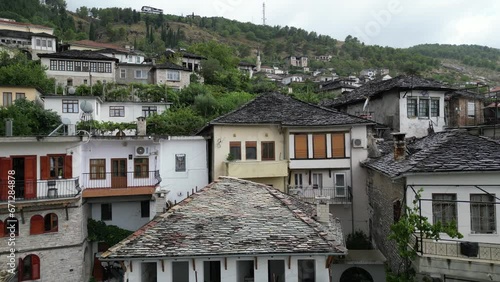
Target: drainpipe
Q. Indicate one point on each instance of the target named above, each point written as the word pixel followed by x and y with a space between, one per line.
pixel 352 186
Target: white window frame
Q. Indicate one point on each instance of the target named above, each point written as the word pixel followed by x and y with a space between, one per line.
pixel 471 109
pixel 317 180
pixel 337 186
pixel 144 74
pixel 298 180
pixel 173 75
pixel 484 207
pixel 123 73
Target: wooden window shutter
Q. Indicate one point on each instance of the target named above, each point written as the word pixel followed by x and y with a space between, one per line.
pixel 338 145
pixel 68 166
pixel 44 167
pixel 37 225
pixel 301 146
pixel 319 146
pixel 2 229
pixel 5 166
pixel 30 177
pixel 35 267
pixel 20 268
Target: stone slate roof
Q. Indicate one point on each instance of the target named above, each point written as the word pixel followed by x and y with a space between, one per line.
pixel 171 66
pixel 465 94
pixel 79 54
pixel 447 151
pixel 334 85
pixel 232 216
pixel 281 109
pixel 23 34
pixel 374 88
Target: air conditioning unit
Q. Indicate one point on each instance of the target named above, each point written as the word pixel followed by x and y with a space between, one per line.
pixel 141 151
pixel 469 249
pixel 357 143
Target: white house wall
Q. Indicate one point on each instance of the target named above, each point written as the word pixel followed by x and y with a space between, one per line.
pixel 463 194
pixel 78 77
pixel 132 111
pixel 196 271
pixel 126 215
pixel 55 104
pixel 416 126
pixel 196 175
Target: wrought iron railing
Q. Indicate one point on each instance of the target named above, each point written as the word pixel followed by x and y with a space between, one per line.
pixel 120 179
pixel 40 189
pixel 339 195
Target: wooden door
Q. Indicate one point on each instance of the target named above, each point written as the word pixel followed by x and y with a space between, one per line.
pixel 30 177
pixel 5 166
pixel 118 173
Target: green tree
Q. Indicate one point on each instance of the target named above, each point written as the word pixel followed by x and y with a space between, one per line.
pixel 29 118
pixel 177 122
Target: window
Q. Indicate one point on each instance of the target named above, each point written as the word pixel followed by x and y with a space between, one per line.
pixel 37 225
pixel 100 67
pixel 173 75
pixel 482 210
pixel 396 210
pixel 29 268
pixel 44 43
pixel 50 221
pixel 300 146
pixel 123 73
pixel 53 64
pixel 116 111
pixel 11 222
pixel 98 169
pixel 20 96
pixel 319 146
pixel 7 99
pixel 471 109
pixel 56 166
pixel 317 179
pixel 69 66
pixel 107 67
pixel 78 66
pixel 251 150
pixel 148 111
pixel 235 150
pixel 338 145
pixel 444 208
pixel 137 60
pixel 340 185
pixel 93 67
pixel 180 271
pixel 38 42
pixel 306 270
pixel 85 82
pixel 141 167
pixel 145 208
pixel 411 104
pixel 180 162
pixel 61 65
pixel 85 66
pixel 212 271
pixel 434 107
pixel 140 74
pixel 423 108
pixel 267 149
pixel 49 43
pixel 106 212
pixel 298 180
pixel 69 82
pixel 70 106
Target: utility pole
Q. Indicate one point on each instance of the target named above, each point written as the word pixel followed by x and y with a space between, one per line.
pixel 263 13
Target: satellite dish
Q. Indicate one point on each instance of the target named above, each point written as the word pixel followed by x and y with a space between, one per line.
pixel 71 90
pixel 66 121
pixel 86 107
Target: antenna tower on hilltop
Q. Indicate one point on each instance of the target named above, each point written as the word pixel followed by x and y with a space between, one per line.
pixel 263 13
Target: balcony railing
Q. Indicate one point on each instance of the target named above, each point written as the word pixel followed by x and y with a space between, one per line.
pixel 121 179
pixel 27 190
pixel 337 195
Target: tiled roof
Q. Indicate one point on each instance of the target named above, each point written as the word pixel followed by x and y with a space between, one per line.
pixel 79 54
pixel 447 151
pixel 99 45
pixel 374 88
pixel 193 56
pixel 171 66
pixel 232 216
pixel 23 34
pixel 282 109
pixel 24 24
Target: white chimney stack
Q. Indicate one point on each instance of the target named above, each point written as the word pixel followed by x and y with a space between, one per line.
pixel 323 210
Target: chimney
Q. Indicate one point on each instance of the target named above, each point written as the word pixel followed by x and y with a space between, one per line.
pixel 323 210
pixel 399 146
pixel 8 127
pixel 141 126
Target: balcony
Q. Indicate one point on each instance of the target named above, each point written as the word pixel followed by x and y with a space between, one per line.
pixel 309 193
pixel 42 189
pixel 108 184
pixel 257 169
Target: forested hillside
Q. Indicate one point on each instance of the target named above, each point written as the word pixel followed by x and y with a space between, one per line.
pixel 154 33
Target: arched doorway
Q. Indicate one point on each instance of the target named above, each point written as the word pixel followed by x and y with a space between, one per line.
pixel 356 274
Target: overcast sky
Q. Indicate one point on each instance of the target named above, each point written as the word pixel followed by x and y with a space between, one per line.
pixel 395 23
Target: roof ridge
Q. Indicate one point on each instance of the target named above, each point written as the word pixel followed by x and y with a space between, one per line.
pixel 237 109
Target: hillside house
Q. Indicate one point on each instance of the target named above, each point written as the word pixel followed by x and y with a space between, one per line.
pixel 252 232
pixel 12 93
pixel 297 61
pixel 458 175
pixel 464 109
pixel 171 75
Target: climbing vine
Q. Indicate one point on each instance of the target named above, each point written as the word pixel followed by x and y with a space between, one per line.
pixel 98 231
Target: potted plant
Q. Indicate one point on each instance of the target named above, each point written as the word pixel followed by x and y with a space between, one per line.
pixel 60 174
pixel 230 157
